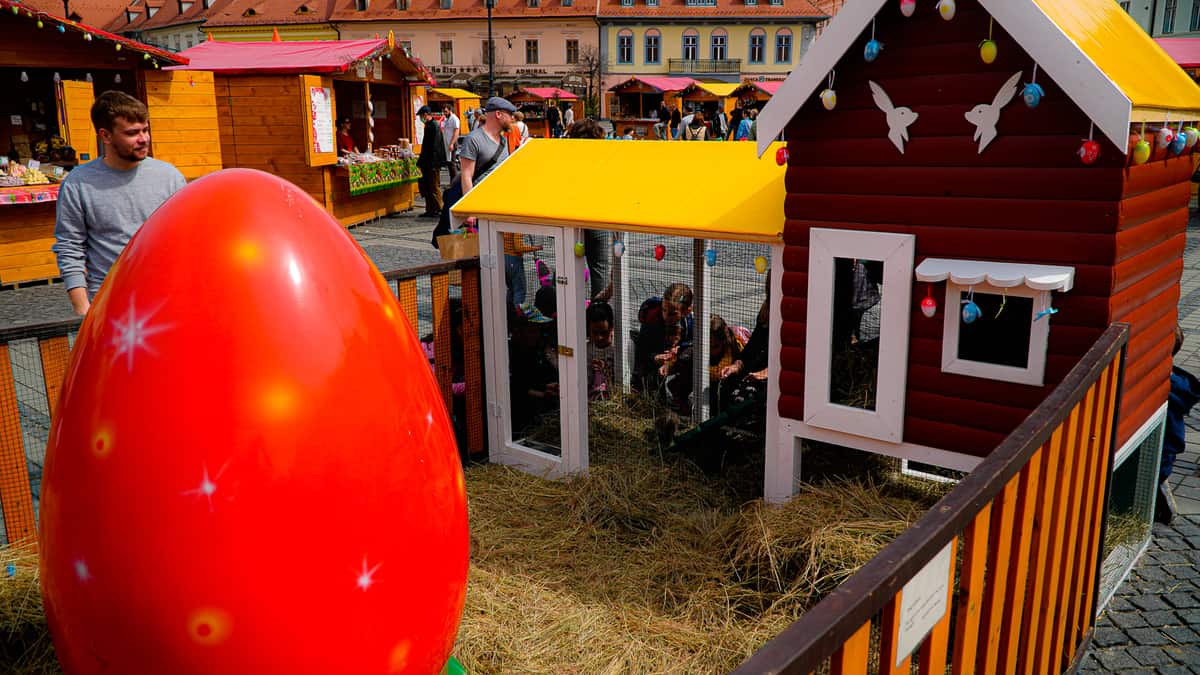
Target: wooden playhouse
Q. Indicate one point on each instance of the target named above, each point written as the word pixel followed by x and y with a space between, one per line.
pixel 278 103
pixel 944 172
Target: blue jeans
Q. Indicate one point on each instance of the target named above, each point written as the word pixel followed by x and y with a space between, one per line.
pixel 514 279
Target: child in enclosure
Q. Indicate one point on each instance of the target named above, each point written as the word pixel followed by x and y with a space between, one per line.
pixel 600 323
pixel 654 349
pixel 746 378
pixel 725 346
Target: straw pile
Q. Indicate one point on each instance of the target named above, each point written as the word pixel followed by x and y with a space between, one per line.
pixel 650 565
pixel 645 565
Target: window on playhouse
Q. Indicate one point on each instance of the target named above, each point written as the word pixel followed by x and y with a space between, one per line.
pixel 996 316
pixel 857 331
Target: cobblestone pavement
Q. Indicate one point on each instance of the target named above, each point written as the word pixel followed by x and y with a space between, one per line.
pixel 1152 624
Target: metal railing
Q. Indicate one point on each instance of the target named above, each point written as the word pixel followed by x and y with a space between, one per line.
pixel 1028 521
pixel 704 66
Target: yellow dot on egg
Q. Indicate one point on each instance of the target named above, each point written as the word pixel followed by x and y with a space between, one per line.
pixel 387 311
pixel 102 442
pixel 247 252
pixel 279 401
pixel 209 626
pixel 398 660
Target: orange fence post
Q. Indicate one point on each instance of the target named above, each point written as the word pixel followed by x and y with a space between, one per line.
pixel 473 353
pixel 889 626
pixel 56 352
pixel 1014 604
pixel 16 498
pixel 441 337
pixel 1085 618
pixel 999 556
pixel 1038 557
pixel 970 592
pixel 854 654
pixel 407 295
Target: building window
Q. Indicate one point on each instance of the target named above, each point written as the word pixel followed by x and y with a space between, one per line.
pixel 445 4
pixel 783 46
pixel 719 42
pixel 625 47
pixel 627 3
pixel 1125 6
pixel 533 3
pixel 360 5
pixel 691 45
pixel 758 46
pixel 1194 24
pixel 1168 25
pixel 701 3
pixel 653 44
pixel 572 51
pixel 406 47
pixel 776 3
pixel 447 52
pixel 402 5
pixel 531 51
pixel 190 44
pixel 751 3
pixel 487 53
pixel 652 3
pixel 568 3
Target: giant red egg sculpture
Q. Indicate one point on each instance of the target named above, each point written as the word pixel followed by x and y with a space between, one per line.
pixel 250 469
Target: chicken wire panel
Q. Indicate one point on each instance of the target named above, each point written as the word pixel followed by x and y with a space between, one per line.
pixel 531 296
pixel 34 409
pixel 653 377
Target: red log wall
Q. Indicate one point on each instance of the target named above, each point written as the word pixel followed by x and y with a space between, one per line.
pixel 1026 198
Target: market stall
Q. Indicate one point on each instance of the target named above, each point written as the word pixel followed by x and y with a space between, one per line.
pixel 533 102
pixel 51 70
pixel 462 100
pixel 752 94
pixel 708 97
pixel 279 107
pixel 635 102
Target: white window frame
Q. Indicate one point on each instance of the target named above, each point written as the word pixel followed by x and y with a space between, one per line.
pixel 1034 371
pixel 897 252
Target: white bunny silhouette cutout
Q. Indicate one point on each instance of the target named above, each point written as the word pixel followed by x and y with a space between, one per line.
pixel 985 116
pixel 898 119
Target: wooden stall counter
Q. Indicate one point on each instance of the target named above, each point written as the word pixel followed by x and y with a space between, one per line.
pixel 362 192
pixel 27 233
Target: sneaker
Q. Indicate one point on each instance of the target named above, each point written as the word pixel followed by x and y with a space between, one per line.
pixel 1165 507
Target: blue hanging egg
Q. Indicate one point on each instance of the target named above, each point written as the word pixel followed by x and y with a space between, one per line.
pixel 618 248
pixel 970 312
pixel 1033 94
pixel 872 50
pixel 1178 143
pixel 61 29
pixel 710 257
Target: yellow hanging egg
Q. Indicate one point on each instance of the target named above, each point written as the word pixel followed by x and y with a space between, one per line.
pixel 1141 152
pixel 760 264
pixel 987 51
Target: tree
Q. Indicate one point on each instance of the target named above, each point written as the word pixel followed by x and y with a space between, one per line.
pixel 589 67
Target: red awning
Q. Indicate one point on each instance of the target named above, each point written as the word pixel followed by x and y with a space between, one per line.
pixel 1184 51
pixel 550 93
pixel 662 84
pixel 770 86
pixel 318 56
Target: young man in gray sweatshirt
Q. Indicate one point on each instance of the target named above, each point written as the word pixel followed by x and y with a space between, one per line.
pixel 101 204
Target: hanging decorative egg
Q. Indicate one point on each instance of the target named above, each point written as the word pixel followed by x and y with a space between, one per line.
pixel 146 56
pixel 970 311
pixel 87 36
pixel 947 9
pixel 15 10
pixel 1192 134
pixel 24 76
pixel 57 77
pixel 40 24
pixel 117 78
pixel 1141 152
pixel 987 50
pixel 1032 94
pixel 1089 152
pixel 88 78
pixel 829 99
pixel 929 306
pixel 62 28
pixel 618 248
pixel 710 257
pixel 872 50
pixel 117 46
pixel 760 264
pixel 1164 137
pixel 579 249
pixel 781 156
pixel 907 7
pixel 660 252
pixel 1179 143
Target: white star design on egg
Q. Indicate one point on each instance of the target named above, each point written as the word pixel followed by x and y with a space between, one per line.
pixel 131 334
pixel 366 577
pixel 207 487
pixel 82 571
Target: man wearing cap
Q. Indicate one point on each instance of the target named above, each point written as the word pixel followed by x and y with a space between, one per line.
pixel 479 153
pixel 433 156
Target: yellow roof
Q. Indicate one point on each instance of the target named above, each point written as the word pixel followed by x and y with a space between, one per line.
pixel 1127 55
pixel 710 190
pixel 721 89
pixel 455 93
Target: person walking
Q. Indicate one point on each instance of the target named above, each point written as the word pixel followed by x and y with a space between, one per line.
pixel 102 203
pixel 433 157
pixel 479 153
pixel 451 126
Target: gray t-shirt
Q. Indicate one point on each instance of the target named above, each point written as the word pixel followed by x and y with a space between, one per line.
pixel 99 209
pixel 480 147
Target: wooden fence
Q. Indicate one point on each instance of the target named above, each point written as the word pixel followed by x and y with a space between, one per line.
pixel 1024 532
pixel 33 363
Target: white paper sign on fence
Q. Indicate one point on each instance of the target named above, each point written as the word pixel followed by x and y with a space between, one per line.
pixel 922 604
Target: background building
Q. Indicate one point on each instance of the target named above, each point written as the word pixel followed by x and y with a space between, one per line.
pixel 1177 18
pixel 708 40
